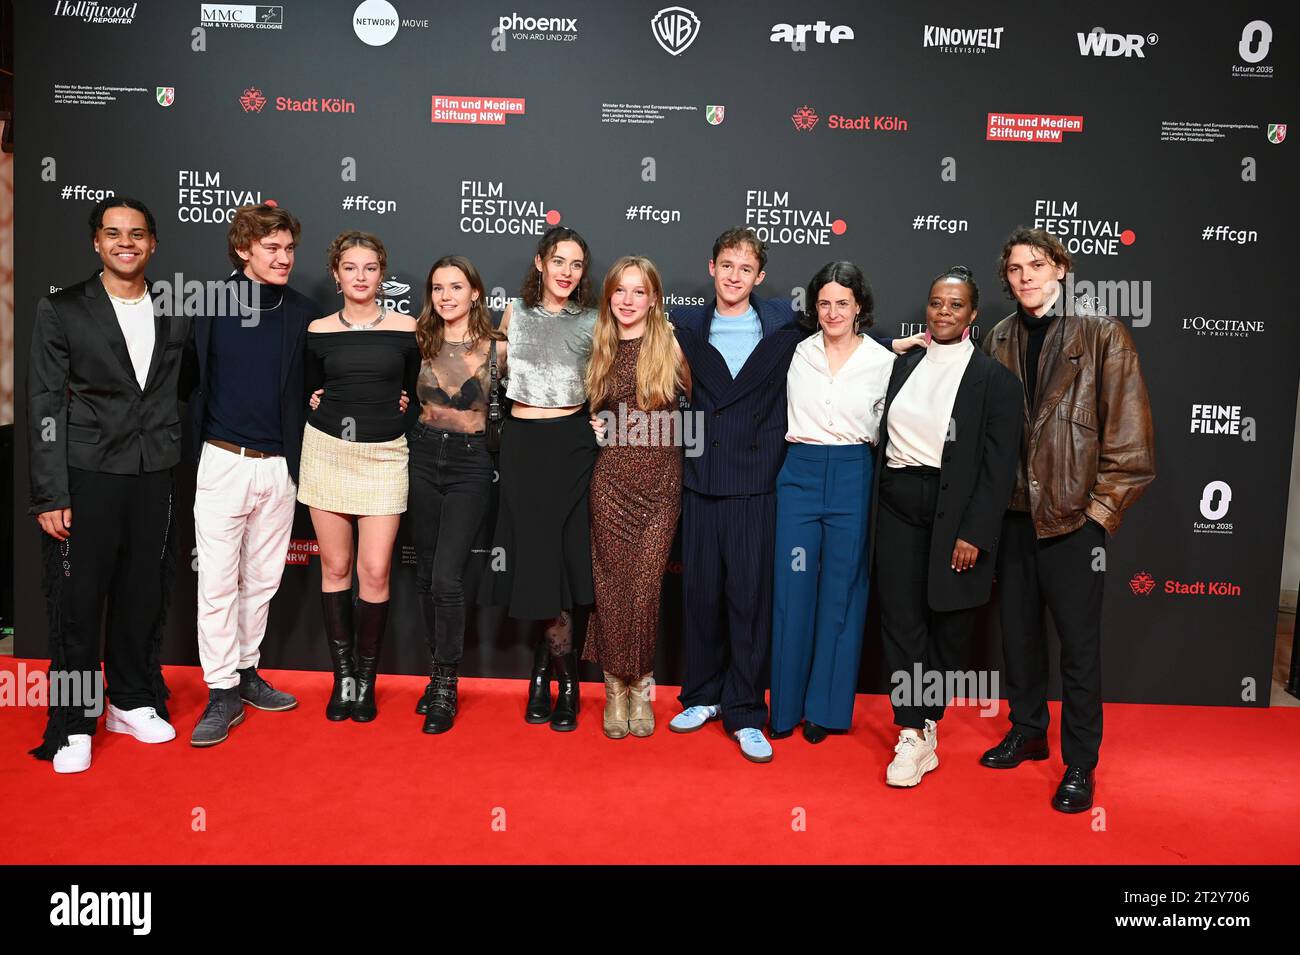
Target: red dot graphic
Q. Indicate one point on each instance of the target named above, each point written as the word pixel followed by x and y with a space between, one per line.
pixel 839 227
pixel 270 202
pixel 553 217
pixel 1128 236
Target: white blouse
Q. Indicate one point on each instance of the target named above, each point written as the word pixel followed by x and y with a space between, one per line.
pixel 922 409
pixel 843 408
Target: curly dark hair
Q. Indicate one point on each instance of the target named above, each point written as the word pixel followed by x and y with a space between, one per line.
pixel 961 274
pixel 1040 239
pixel 851 277
pixel 113 202
pixel 531 290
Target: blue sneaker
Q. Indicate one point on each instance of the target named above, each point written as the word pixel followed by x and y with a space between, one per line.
pixel 693 717
pixel 754 745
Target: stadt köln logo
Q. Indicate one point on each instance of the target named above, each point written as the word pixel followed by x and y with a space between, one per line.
pixel 252 100
pixel 166 95
pixel 1276 132
pixel 804 118
pixel 715 114
pixel 675 29
pixel 1142 583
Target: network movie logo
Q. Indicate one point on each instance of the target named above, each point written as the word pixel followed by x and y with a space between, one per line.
pixel 88 11
pixel 1101 43
pixel 805 118
pixel 1253 47
pixel 1142 584
pixel 769 214
pixel 241 16
pixel 1223 327
pixel 1080 235
pixel 1216 498
pixel 796 34
pixel 675 29
pixel 962 39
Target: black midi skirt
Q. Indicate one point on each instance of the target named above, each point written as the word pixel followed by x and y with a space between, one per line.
pixel 541 551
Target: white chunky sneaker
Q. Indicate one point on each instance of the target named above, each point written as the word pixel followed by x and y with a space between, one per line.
pixel 143 723
pixel 74 757
pixel 914 757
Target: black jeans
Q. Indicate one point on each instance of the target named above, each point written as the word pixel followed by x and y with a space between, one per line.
pixel 451 477
pixel 1064 574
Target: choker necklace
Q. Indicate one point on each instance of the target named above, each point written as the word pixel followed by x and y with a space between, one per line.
pixel 269 308
pixel 383 310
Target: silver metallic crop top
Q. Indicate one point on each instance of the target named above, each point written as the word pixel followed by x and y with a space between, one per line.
pixel 548 354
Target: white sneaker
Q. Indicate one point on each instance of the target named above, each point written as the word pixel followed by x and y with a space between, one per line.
pixel 915 757
pixel 143 723
pixel 74 756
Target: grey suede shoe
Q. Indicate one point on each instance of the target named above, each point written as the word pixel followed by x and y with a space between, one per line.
pixel 260 695
pixel 224 710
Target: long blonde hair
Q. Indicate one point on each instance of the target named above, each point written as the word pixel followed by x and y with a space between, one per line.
pixel 659 376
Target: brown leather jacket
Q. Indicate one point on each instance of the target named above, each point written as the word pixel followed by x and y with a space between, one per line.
pixel 1089 452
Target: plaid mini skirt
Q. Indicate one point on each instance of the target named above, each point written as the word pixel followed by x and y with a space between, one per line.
pixel 353 477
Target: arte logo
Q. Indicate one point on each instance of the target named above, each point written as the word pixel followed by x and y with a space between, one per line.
pixel 394 295
pixel 166 95
pixel 241 16
pixel 89 11
pixel 1222 419
pixel 486 209
pixel 1101 43
pixel 1216 498
pixel 1253 47
pixel 1142 583
pixel 962 39
pixel 796 34
pixel 375 22
pixel 1222 327
pixel 805 118
pixel 1276 132
pixel 538 28
pixel 675 29
pixel 1080 235
pixel 476 110
pixel 252 100
pixel 715 114
pixel 769 214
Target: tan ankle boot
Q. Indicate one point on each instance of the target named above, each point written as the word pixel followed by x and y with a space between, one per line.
pixel 641 719
pixel 615 707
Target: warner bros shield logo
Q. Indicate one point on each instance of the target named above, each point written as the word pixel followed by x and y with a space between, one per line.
pixel 675 28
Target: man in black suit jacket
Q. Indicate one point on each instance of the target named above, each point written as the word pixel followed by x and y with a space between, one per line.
pixel 247 412
pixel 104 433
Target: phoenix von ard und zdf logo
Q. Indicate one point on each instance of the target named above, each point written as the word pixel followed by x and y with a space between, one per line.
pixel 1142 583
pixel 675 28
pixel 166 95
pixel 1276 132
pixel 252 100
pixel 715 114
pixel 804 118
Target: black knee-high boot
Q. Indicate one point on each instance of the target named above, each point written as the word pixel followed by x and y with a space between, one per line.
pixel 565 717
pixel 372 618
pixel 336 609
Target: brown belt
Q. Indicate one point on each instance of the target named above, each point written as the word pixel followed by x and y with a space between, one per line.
pixel 242 452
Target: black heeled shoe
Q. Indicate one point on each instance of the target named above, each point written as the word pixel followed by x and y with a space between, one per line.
pixel 564 719
pixel 443 703
pixel 372 618
pixel 539 689
pixel 336 608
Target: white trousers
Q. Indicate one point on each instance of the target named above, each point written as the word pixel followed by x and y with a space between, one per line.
pixel 243 519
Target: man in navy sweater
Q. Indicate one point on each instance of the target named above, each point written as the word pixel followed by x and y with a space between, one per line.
pixel 739 347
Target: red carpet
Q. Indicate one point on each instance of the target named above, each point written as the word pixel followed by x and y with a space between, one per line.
pixel 1179 784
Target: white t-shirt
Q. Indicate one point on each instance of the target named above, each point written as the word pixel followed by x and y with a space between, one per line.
pixel 843 408
pixel 922 409
pixel 136 322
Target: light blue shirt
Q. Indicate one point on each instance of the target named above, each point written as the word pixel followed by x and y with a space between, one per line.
pixel 736 337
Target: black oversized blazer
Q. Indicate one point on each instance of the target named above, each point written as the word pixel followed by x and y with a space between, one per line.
pixel 975 478
pixel 85 408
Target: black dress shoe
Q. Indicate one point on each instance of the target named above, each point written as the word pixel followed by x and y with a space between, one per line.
pixel 1075 792
pixel 814 733
pixel 539 687
pixel 1014 749
pixel 773 734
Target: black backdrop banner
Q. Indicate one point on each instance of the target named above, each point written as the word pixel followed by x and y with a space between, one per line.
pixel 906 137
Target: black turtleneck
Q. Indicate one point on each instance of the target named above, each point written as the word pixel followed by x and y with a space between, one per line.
pixel 1037 329
pixel 243 404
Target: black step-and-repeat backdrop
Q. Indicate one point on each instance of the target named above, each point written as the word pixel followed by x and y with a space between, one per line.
pixel 905 137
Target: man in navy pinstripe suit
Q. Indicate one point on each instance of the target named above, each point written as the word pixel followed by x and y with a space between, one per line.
pixel 739 348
